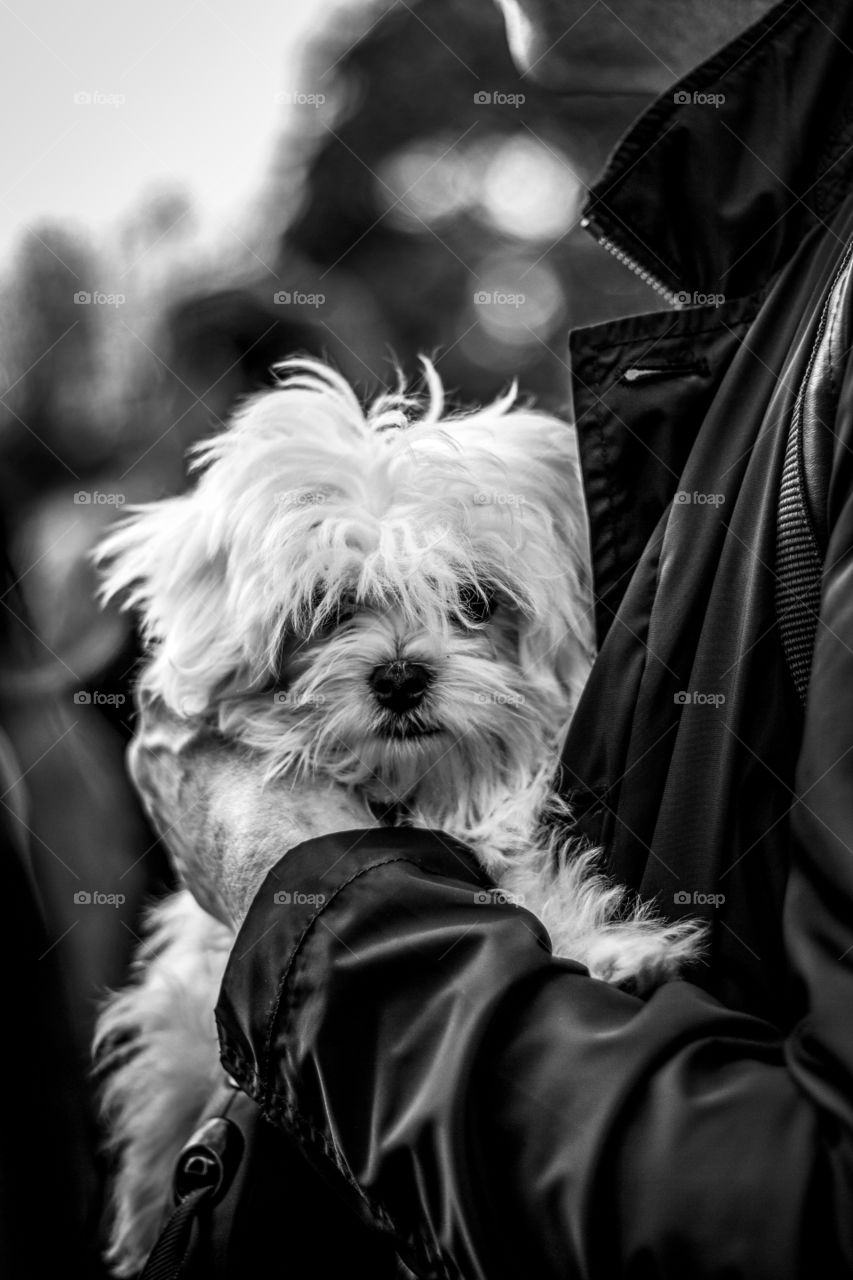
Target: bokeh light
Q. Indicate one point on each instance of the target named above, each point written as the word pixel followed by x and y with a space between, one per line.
pixel 517 186
pixel 428 182
pixel 529 191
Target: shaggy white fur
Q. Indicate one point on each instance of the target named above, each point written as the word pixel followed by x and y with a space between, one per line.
pixel 320 546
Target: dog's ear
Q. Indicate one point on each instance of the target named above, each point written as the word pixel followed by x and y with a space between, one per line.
pixel 527 499
pixel 559 635
pixel 557 647
pixel 162 563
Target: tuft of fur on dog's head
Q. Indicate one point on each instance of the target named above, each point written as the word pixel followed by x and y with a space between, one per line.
pixel 394 598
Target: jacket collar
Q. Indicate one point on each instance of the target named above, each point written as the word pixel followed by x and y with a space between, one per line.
pixel 715 185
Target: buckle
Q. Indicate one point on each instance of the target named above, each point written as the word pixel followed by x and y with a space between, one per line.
pixel 209 1160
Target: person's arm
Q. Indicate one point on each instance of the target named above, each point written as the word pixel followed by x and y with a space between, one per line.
pixel 503 1114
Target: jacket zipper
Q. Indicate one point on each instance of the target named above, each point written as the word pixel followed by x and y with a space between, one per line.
pixel 674 299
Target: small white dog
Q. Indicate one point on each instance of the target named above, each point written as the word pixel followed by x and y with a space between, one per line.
pixel 394 601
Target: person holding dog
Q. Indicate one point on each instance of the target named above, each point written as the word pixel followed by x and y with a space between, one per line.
pixel 492 1111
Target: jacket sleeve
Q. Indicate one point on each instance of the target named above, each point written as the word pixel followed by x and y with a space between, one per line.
pixel 503 1114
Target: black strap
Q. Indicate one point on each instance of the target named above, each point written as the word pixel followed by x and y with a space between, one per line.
pixel 204 1172
pixel 174 1245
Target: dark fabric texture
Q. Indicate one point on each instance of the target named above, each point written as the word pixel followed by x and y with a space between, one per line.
pixel 494 1112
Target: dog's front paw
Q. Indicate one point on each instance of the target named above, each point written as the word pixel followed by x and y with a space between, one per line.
pixel 640 977
pixel 641 960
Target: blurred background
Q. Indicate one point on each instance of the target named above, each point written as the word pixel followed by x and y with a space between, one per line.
pixel 191 193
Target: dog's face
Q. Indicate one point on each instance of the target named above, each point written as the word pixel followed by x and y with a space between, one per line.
pixel 400 607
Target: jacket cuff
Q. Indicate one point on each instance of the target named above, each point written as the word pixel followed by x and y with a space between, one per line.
pixel 295 898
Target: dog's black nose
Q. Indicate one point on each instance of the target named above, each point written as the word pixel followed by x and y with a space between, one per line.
pixel 399 686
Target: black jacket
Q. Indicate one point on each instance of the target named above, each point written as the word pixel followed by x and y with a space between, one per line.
pixel 496 1112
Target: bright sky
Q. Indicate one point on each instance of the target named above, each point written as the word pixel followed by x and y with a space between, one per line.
pixel 103 100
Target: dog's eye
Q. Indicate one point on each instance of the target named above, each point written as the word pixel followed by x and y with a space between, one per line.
pixel 345 612
pixel 477 602
pixel 342 611
pixel 347 608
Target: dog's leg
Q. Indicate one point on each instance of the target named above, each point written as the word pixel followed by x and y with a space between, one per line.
pixel 156 1044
